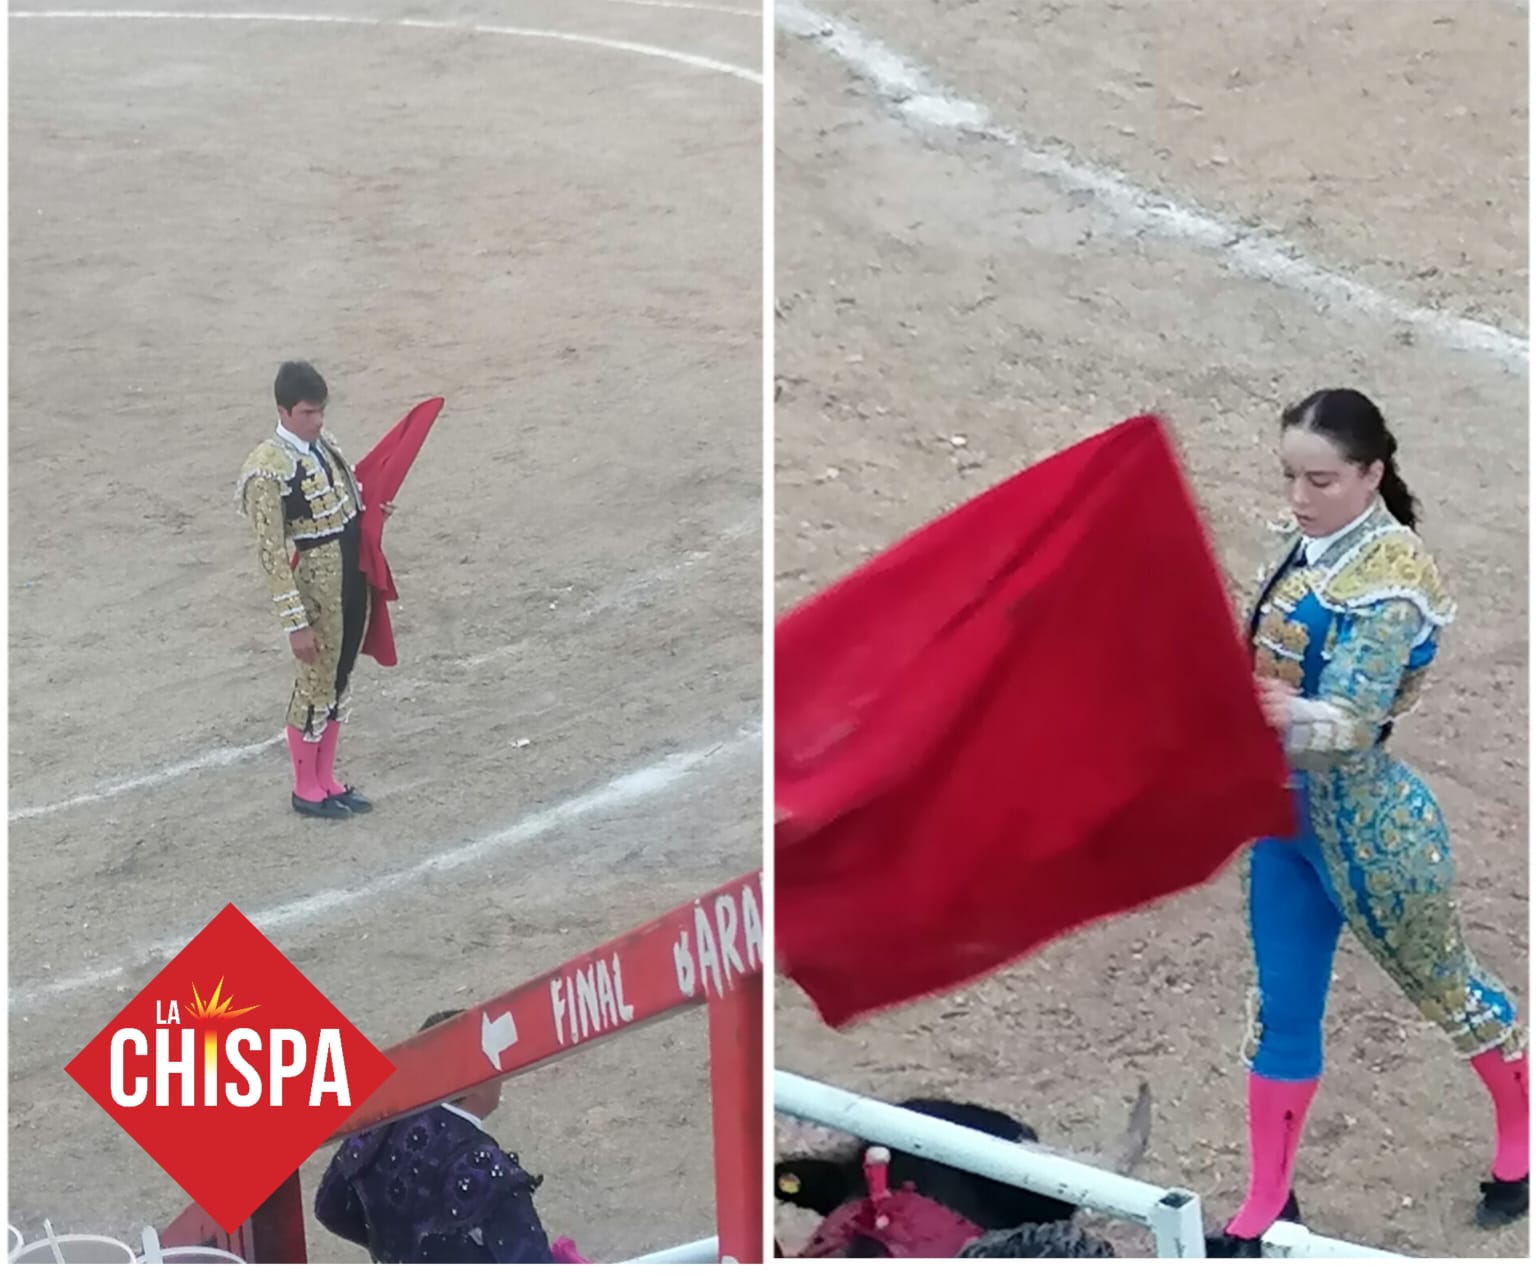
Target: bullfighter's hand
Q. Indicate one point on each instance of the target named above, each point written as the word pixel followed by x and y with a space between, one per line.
pixel 1276 699
pixel 305 649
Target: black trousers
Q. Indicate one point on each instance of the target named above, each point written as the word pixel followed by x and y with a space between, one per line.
pixel 354 607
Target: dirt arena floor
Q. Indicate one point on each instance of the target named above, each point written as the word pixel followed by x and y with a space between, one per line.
pixel 956 303
pixel 564 239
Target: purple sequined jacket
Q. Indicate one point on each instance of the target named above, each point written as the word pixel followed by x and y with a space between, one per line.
pixel 432 1188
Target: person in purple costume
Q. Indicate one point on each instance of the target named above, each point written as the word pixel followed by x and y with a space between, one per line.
pixel 435 1188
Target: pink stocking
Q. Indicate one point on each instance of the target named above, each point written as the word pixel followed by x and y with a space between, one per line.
pixel 326 760
pixel 305 755
pixel 1277 1111
pixel 1508 1081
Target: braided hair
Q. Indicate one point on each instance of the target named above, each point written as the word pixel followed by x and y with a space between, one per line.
pixel 1355 425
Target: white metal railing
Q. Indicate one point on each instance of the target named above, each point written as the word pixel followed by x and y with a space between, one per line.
pixel 154 1253
pixel 701 1251
pixel 1292 1240
pixel 74 1248
pixel 1171 1214
pixel 77 1247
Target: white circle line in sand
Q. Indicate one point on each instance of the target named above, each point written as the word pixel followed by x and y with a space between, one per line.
pixel 912 94
pixel 688 4
pixel 637 585
pixel 694 60
pixel 622 791
pixel 227 755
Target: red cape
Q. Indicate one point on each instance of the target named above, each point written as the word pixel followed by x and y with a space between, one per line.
pixel 1032 713
pixel 381 473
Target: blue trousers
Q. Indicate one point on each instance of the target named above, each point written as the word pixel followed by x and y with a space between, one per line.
pixel 1294 919
pixel 1394 893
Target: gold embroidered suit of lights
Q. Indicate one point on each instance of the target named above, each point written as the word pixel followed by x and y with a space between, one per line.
pixel 1385 562
pixel 1280 643
pixel 1379 563
pixel 1386 596
pixel 1382 839
pixel 323 509
pixel 1358 691
pixel 309 594
pixel 328 508
pixel 262 500
pixel 319 578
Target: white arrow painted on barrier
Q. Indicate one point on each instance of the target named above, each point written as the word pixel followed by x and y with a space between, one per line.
pixel 496 1036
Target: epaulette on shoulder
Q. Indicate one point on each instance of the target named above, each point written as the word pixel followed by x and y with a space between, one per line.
pixel 268 459
pixel 1390 564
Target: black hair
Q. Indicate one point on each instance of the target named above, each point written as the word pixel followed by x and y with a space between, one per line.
pixel 437 1017
pixel 297 383
pixel 1356 427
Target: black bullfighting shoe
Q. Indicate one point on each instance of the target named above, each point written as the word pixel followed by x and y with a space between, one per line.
pixel 325 809
pixel 352 800
pixel 1503 1201
pixel 1224 1246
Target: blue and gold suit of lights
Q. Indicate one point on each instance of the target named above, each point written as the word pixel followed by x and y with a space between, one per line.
pixel 1355 633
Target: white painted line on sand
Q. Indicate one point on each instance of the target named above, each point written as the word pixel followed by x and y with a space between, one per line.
pixel 627 590
pixel 686 4
pixel 694 60
pixel 626 790
pixel 912 94
pixel 643 583
pixel 222 757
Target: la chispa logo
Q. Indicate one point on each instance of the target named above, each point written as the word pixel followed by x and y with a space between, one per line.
pixel 229 1068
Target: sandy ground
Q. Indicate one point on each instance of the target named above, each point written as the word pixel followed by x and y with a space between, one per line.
pixel 564 240
pixel 931 285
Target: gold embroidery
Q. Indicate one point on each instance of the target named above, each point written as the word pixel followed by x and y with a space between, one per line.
pixel 1386 852
pixel 1387 563
pixel 1267 664
pixel 1380 562
pixel 1280 643
pixel 310 592
pixel 328 508
pixel 319 575
pixel 1381 837
pixel 264 505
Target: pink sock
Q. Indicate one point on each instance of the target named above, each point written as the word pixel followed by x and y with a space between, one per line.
pixel 305 755
pixel 564 1251
pixel 325 770
pixel 1277 1111
pixel 1508 1081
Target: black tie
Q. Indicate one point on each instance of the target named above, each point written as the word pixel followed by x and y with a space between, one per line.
pixel 324 463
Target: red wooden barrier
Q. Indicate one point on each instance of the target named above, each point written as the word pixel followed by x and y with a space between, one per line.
pixel 709 950
pixel 273 1234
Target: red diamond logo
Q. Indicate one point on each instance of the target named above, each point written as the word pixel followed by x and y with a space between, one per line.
pixel 229 1068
